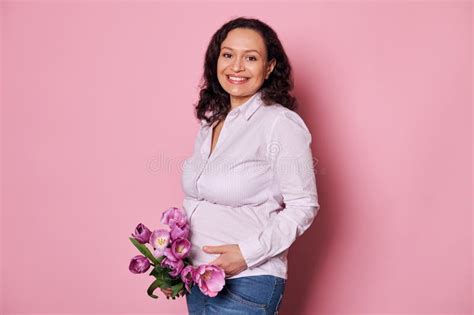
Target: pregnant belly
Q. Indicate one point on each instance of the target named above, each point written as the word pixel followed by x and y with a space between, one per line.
pixel 213 224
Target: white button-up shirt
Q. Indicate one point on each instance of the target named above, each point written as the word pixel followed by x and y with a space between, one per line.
pixel 257 189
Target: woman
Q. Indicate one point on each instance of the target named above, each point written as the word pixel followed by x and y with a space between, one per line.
pixel 249 185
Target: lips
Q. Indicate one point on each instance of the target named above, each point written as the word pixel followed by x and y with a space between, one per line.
pixel 236 79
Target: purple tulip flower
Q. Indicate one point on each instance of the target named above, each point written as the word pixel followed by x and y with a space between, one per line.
pixel 187 276
pixel 168 253
pixel 174 216
pixel 210 279
pixel 175 266
pixel 180 248
pixel 142 234
pixel 179 232
pixel 159 239
pixel 139 264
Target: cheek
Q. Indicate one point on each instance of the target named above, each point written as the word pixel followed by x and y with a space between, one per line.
pixel 221 64
pixel 257 71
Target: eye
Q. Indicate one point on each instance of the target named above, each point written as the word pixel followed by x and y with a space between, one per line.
pixel 254 59
pixel 225 54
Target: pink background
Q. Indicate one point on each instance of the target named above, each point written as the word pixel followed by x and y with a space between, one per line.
pixel 97 118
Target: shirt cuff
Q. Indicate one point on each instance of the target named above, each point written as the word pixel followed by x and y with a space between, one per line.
pixel 252 252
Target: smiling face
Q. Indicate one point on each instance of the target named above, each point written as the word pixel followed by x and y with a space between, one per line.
pixel 242 66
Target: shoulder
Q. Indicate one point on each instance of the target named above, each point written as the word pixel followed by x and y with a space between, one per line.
pixel 284 120
pixel 204 127
pixel 204 124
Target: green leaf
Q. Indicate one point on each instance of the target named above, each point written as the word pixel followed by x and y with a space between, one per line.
pixel 145 251
pixel 156 271
pixel 157 283
pixel 161 273
pixel 176 289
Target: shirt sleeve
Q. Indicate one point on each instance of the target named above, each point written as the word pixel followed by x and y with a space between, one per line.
pixel 290 155
pixel 189 168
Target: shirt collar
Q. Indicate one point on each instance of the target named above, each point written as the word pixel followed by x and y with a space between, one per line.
pixel 249 107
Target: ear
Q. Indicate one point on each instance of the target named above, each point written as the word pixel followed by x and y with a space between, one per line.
pixel 270 67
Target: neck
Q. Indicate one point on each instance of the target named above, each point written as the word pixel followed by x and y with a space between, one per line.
pixel 237 101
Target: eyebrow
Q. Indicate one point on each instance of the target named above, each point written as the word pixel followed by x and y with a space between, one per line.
pixel 244 50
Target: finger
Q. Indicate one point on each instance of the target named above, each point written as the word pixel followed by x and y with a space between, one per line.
pixel 167 291
pixel 215 262
pixel 213 249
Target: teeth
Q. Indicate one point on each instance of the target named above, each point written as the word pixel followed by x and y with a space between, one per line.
pixel 237 78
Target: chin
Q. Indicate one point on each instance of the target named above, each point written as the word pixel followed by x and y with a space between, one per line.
pixel 239 90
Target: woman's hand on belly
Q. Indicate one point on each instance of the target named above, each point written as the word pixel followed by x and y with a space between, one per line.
pixel 230 259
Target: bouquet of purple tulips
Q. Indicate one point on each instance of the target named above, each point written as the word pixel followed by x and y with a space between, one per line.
pixel 172 267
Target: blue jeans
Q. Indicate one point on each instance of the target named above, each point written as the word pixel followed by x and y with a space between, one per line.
pixel 251 295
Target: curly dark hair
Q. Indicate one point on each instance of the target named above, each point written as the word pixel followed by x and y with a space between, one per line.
pixel 214 99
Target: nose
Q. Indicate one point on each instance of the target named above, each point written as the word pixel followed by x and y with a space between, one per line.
pixel 237 65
